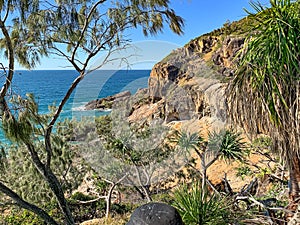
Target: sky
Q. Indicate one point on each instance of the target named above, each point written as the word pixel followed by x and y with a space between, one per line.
pixel 203 16
pixel 200 16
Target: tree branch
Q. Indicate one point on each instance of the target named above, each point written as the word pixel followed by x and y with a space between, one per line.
pixel 86 23
pixel 53 183
pixel 7 11
pixel 11 59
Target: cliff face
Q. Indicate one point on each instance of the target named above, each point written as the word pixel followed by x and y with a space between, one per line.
pixel 188 85
pixel 186 90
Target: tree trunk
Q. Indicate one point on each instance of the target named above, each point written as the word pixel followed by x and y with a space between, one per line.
pixel 294 188
pixel 108 200
pixel 59 193
pixel 294 191
pixel 53 184
pixel 147 193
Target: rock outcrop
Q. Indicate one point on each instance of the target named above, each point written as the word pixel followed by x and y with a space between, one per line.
pixel 187 84
pixel 225 56
pixel 107 102
pixel 202 45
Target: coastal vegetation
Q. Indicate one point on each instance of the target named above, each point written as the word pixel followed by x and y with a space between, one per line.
pixel 267 79
pixel 67 172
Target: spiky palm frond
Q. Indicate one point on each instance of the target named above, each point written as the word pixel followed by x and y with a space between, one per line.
pixel 186 140
pixel 197 206
pixel 228 144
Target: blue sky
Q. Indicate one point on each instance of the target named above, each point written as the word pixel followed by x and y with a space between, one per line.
pixel 201 16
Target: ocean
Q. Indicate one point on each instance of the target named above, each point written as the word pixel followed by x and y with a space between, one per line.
pixel 49 87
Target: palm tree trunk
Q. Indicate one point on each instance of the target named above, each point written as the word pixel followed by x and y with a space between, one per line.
pixel 294 191
pixel 294 186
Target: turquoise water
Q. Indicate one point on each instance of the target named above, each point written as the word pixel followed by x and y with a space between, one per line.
pixel 49 86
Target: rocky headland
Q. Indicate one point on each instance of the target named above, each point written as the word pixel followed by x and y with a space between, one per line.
pixel 188 85
pixel 186 90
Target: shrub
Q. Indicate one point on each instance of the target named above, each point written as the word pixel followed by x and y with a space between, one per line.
pixel 197 206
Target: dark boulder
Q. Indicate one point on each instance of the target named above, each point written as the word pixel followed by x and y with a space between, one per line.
pixel 155 214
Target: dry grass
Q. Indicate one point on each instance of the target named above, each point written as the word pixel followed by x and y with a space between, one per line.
pixel 117 220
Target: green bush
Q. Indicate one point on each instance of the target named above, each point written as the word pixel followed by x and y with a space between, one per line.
pixel 243 171
pixel 78 196
pixel 20 217
pixel 198 207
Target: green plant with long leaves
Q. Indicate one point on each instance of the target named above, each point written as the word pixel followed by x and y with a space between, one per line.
pixel 198 207
pixel 18 170
pixel 186 140
pixel 133 151
pixel 264 94
pixel 224 144
pixel 228 144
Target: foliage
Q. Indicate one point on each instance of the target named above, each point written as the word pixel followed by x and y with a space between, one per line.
pixel 28 45
pixel 3 159
pixel 78 196
pixel 31 186
pixel 65 159
pixel 38 26
pixel 104 126
pixel 186 140
pixel 268 73
pixel 228 143
pixel 197 206
pixel 224 144
pixel 243 171
pixel 131 150
pixel 17 217
pixel 82 212
pixel 25 123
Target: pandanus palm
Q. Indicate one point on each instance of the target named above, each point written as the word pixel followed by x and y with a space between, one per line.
pixel 264 94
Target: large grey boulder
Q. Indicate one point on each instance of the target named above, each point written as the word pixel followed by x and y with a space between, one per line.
pixel 155 214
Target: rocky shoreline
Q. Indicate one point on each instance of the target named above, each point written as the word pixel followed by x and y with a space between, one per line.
pixel 107 102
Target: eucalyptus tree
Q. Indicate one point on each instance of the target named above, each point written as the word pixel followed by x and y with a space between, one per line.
pixel 264 94
pixel 76 31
